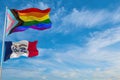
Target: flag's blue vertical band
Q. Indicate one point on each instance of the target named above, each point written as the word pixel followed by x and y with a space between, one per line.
pixel 8 50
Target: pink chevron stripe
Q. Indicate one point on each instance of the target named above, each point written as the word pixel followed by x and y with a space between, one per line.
pixel 11 22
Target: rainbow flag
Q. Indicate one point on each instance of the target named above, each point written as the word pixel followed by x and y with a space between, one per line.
pixel 21 20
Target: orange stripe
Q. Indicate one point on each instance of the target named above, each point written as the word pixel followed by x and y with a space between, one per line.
pixel 36 14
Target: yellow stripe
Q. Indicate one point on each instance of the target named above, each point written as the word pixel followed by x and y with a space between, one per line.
pixel 31 18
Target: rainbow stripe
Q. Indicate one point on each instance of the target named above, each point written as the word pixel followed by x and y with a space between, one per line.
pixel 21 20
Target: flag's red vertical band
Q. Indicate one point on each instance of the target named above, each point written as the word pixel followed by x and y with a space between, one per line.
pixel 32 48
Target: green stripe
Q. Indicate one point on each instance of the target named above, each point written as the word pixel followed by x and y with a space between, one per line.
pixel 36 22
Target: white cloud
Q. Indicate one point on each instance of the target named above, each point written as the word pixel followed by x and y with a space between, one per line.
pixel 76 74
pixel 91 18
pixel 86 18
pixel 26 6
pixel 116 16
pixel 56 19
pixel 42 5
pixel 70 73
pixel 23 74
pixel 105 38
pixel 59 13
pixel 103 64
pixel 67 22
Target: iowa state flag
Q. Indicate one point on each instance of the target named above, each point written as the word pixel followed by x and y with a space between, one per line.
pixel 21 48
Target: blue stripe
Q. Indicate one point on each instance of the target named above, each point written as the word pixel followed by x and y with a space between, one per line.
pixel 40 26
pixel 8 50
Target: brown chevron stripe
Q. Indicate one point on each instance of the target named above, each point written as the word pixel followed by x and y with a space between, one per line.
pixel 20 22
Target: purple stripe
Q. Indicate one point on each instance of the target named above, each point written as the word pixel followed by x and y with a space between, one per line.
pixel 41 26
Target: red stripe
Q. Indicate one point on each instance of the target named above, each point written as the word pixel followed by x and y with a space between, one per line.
pixel 32 48
pixel 33 10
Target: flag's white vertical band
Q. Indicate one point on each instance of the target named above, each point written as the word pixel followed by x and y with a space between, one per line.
pixel 3 43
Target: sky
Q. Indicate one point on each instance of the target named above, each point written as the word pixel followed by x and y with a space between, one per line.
pixel 83 43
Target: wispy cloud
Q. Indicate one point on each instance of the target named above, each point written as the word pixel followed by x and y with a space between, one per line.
pixel 105 38
pixel 85 18
pixel 40 5
pixel 59 13
pixel 91 18
pixel 78 62
pixel 103 64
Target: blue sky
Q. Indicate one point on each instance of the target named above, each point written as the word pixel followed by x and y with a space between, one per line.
pixel 83 43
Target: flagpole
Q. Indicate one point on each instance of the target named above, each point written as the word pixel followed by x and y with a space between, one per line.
pixel 3 44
